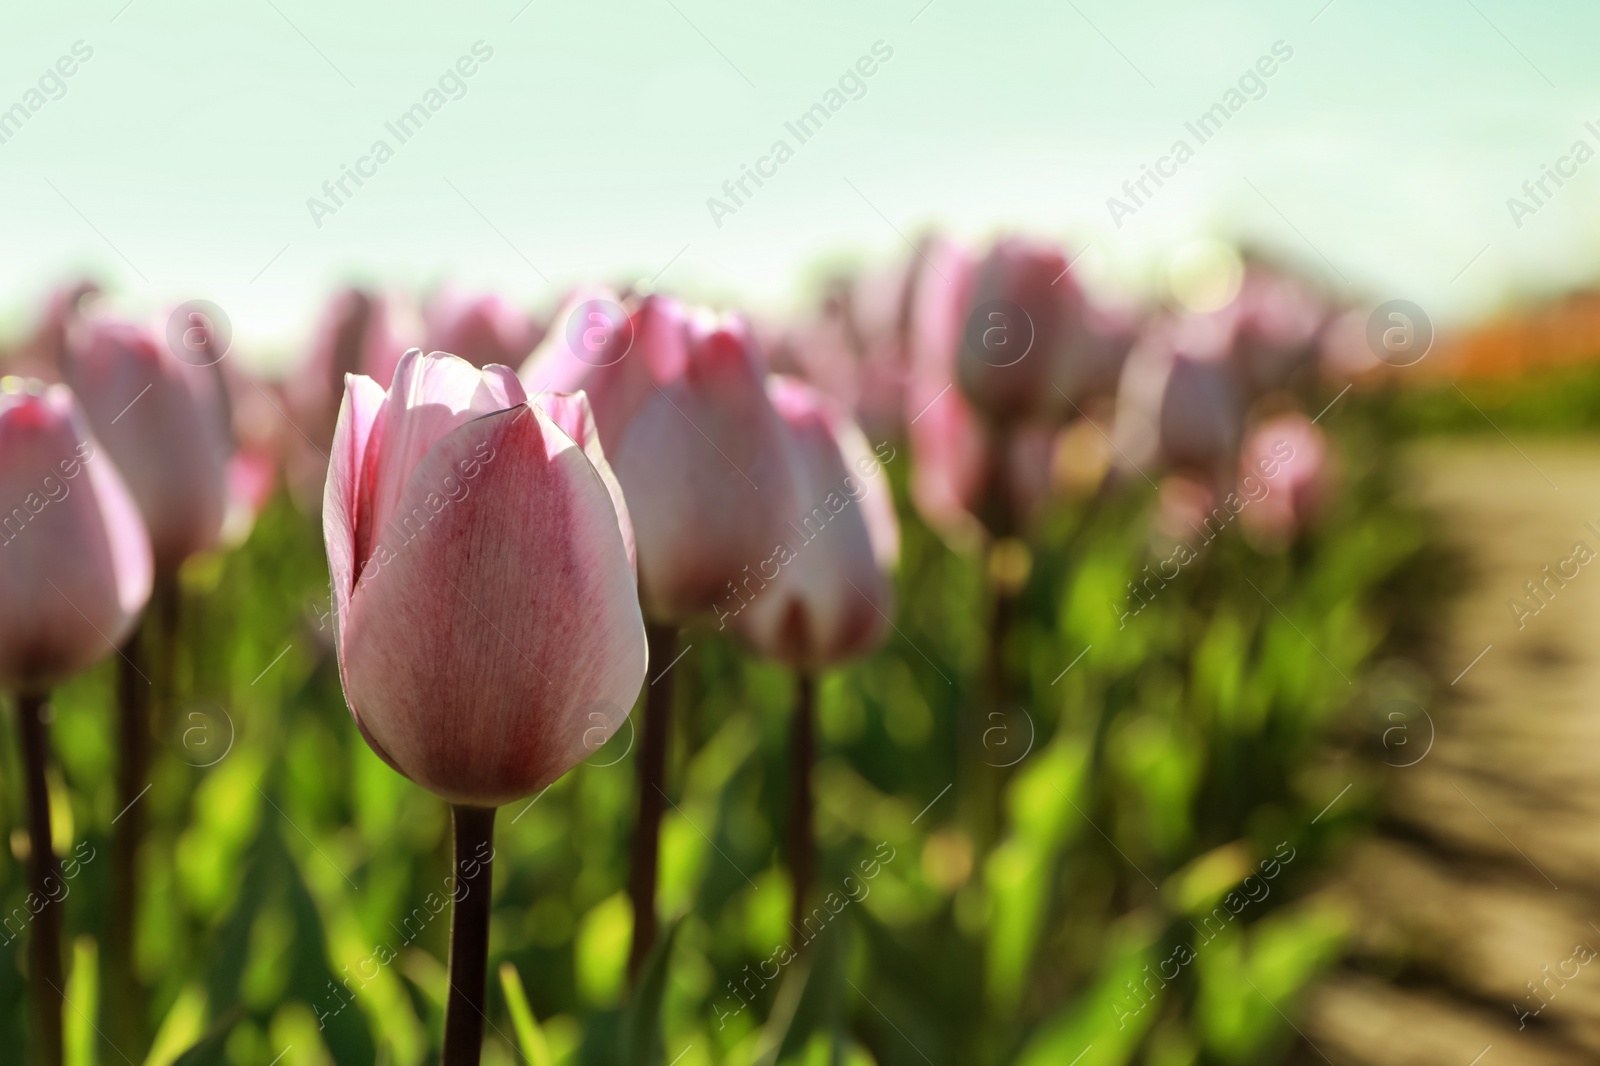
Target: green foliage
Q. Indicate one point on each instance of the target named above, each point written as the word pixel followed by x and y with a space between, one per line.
pixel 289 873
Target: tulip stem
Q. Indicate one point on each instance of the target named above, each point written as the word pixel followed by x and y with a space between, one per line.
pixel 802 755
pixel 44 870
pixel 652 767
pixel 469 934
pixel 125 1009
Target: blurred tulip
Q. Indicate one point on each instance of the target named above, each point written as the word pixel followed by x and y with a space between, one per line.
pixel 683 416
pixel 76 571
pixel 951 463
pixel 74 555
pixel 454 504
pixel 1284 473
pixel 826 596
pixel 1015 330
pixel 1278 324
pixel 360 333
pixel 1021 316
pixel 698 450
pixel 165 423
pixel 480 329
pixel 1180 400
pixel 43 354
pixel 856 347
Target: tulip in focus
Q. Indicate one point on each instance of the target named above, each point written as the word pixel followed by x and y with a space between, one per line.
pixel 481 579
pixel 488 620
pixel 75 572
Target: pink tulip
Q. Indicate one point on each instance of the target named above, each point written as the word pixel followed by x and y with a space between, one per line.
pixel 683 416
pixel 971 475
pixel 43 354
pixel 480 329
pixel 360 333
pixel 75 566
pixel 823 594
pixel 1278 322
pixel 489 629
pixel 1284 472
pixel 856 347
pixel 1180 401
pixel 1021 319
pixel 165 423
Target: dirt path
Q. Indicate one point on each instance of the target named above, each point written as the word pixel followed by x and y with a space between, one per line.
pixel 1480 895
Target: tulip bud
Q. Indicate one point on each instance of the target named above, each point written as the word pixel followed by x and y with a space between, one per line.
pixel 824 594
pixel 165 423
pixel 1180 400
pixel 75 566
pixel 480 329
pixel 1284 473
pixel 489 627
pixel 683 417
pixel 971 474
pixel 1023 318
pixel 1279 322
pixel 44 353
pixel 360 333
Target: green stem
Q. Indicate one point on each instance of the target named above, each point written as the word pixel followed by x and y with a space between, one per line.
pixel 652 768
pixel 133 769
pixel 802 845
pixel 469 935
pixel 44 883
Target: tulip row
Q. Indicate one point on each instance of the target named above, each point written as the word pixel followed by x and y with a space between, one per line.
pixel 519 524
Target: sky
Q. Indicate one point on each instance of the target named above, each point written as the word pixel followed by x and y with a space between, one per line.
pixel 181 158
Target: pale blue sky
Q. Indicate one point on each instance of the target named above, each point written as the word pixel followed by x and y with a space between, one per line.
pixel 586 147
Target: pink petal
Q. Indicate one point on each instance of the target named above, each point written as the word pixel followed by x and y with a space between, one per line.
pixel 495 639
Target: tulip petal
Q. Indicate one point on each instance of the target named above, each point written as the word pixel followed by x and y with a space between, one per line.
pixel 573 416
pixel 430 396
pixel 363 399
pixel 75 562
pixel 510 590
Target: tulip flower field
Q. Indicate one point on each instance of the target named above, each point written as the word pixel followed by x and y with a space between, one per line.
pixel 964 669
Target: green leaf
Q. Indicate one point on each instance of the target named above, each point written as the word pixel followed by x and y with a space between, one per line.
pixel 641 1019
pixel 534 1046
